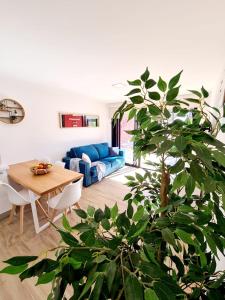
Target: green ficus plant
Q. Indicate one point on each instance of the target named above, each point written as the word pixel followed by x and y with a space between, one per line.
pixel 166 244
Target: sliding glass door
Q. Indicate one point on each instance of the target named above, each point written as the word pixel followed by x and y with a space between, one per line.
pixel 125 139
pixel 120 138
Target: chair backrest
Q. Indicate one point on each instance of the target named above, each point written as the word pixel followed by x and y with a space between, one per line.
pixel 13 196
pixel 44 159
pixel 60 163
pixel 70 195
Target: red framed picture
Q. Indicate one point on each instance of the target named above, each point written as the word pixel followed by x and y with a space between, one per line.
pixel 71 120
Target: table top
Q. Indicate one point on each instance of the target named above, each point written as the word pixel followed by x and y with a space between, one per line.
pixel 41 184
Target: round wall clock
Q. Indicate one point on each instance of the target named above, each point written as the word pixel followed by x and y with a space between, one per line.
pixel 11 111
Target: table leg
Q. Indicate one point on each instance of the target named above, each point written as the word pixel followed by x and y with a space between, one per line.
pixel 35 216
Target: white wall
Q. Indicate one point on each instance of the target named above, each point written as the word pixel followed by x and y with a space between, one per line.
pixel 39 134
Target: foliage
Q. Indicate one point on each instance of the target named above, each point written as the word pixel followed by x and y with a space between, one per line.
pixel 165 245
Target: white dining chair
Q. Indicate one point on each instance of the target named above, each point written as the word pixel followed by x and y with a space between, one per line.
pixel 69 197
pixel 60 163
pixel 18 198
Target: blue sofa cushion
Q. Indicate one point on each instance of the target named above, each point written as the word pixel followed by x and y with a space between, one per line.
pixel 90 150
pixel 108 166
pixel 115 160
pixel 103 149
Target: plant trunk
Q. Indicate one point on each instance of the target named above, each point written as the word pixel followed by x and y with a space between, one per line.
pixel 165 181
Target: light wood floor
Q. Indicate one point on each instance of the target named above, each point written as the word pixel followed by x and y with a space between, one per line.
pixel 109 191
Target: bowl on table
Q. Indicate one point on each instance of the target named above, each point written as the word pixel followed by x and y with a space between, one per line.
pixel 41 168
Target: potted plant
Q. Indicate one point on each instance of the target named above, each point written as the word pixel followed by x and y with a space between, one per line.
pixel 166 244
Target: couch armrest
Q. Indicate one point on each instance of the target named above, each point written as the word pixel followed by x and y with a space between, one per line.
pixel 121 153
pixel 84 167
pixel 66 160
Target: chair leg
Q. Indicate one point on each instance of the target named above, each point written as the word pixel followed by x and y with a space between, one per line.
pixel 53 214
pixel 42 208
pixel 21 218
pixel 12 212
pixel 65 212
pixel 77 205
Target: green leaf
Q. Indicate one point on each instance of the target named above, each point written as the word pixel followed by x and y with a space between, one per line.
pixel 137 99
pixel 136 82
pixel 133 288
pixel 138 214
pixel 154 110
pixel 223 200
pixel 110 274
pixel 168 236
pixel 132 113
pixel 66 224
pixel 222 128
pixel 180 180
pixel 73 262
pixel 130 209
pixel 88 237
pixel 97 290
pixel 216 284
pixel 150 294
pixel 46 277
pixel 90 281
pixel 145 75
pixel 154 95
pixel 105 224
pixel 174 80
pixel 196 172
pixel 150 83
pixel 180 143
pixel 166 113
pixel 107 212
pixel 190 186
pixel 81 213
pixel 185 237
pixel 99 215
pixel 134 91
pixel 196 93
pixel 162 85
pixel 172 94
pixel 14 269
pixel 179 166
pixel 139 177
pixel 82 227
pixel 128 196
pixel 45 265
pixel 192 100
pixel 90 211
pixel 137 229
pixel 204 92
pixel 20 260
pixel 114 211
pixel 220 157
pixel 68 238
pixel 179 265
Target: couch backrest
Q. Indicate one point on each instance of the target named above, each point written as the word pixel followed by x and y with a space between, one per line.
pixel 95 151
pixel 103 150
pixel 90 150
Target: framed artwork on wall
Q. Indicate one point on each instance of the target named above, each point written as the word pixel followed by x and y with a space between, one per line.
pixel 69 120
pixel 91 121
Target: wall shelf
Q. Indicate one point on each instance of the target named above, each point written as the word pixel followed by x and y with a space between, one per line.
pixel 11 112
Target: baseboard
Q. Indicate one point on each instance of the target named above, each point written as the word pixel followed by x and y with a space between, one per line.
pixel 4 215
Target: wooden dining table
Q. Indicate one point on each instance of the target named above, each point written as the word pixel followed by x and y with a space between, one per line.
pixel 41 185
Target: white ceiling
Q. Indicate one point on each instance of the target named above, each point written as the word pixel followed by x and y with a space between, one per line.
pixel 85 46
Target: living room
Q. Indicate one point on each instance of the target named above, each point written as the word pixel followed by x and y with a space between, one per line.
pixel 111 141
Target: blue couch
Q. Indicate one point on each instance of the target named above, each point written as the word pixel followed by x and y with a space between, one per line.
pixel 96 152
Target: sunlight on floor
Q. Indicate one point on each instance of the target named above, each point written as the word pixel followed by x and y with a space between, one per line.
pixel 121 174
